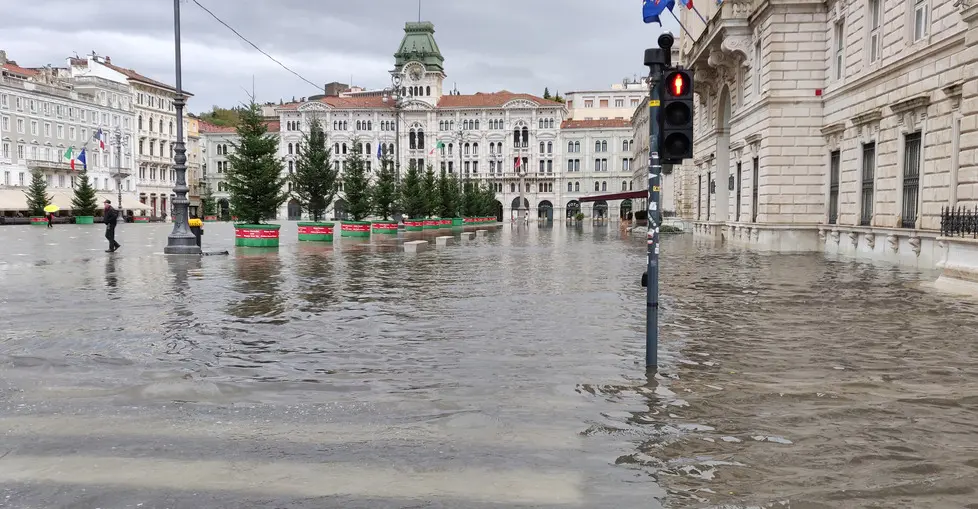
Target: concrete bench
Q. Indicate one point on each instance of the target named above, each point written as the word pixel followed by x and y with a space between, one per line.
pixel 468 235
pixel 482 233
pixel 415 246
pixel 444 240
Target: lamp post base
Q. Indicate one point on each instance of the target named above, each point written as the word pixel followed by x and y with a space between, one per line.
pixel 181 245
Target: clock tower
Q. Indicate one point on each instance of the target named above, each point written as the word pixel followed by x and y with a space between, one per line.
pixel 420 64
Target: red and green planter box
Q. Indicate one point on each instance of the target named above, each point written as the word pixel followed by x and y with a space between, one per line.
pixel 355 229
pixel 430 224
pixel 256 235
pixel 316 232
pixel 210 219
pixel 458 222
pixel 84 220
pixel 39 220
pixel 444 223
pixel 384 227
pixel 140 219
pixel 413 225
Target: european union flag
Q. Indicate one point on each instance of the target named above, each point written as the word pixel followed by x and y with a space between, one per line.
pixel 82 159
pixel 379 146
pixel 652 9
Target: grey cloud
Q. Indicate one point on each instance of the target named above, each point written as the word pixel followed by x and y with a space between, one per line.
pixel 519 45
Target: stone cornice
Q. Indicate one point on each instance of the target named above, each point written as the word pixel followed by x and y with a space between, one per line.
pixel 753 138
pixel 833 129
pixel 920 101
pixel 865 118
pixel 969 13
pixel 737 145
pixel 953 90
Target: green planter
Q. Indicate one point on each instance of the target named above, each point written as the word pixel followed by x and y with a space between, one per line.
pixel 315 232
pixel 39 221
pixel 140 219
pixel 384 227
pixel 84 220
pixel 430 224
pixel 458 222
pixel 359 229
pixel 413 225
pixel 256 235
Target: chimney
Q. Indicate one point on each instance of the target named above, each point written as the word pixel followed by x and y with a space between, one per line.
pixel 108 59
pixel 3 57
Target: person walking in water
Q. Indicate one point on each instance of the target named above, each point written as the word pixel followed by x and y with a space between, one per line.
pixel 110 216
pixel 50 219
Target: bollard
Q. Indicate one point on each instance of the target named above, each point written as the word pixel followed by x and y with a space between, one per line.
pixel 444 240
pixel 467 235
pixel 482 233
pixel 415 246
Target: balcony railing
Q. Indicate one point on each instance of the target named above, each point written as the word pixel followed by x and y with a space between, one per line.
pixel 39 164
pixel 959 222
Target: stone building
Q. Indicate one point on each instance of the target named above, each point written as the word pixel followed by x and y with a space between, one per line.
pixel 155 131
pixel 46 111
pixel 833 126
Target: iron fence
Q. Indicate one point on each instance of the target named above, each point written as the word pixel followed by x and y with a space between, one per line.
pixel 959 222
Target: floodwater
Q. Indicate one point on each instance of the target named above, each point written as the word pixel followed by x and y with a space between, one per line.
pixel 502 373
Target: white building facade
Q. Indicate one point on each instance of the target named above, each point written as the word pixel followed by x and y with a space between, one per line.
pixel 834 126
pixel 46 111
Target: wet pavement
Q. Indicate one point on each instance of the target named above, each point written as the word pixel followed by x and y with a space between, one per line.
pixel 502 372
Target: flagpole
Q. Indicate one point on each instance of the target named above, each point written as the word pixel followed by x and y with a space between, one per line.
pixel 681 24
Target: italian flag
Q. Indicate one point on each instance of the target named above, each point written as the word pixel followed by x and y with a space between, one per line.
pixel 436 147
pixel 70 157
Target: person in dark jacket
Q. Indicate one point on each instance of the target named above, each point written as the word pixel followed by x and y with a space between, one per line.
pixel 110 216
pixel 50 219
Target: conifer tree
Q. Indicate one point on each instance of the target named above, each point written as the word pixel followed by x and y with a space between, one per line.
pixel 356 184
pixel 432 199
pixel 412 192
pixel 83 201
pixel 385 190
pixel 208 202
pixel 254 178
pixel 314 182
pixel 448 193
pixel 487 201
pixel 37 194
pixel 471 201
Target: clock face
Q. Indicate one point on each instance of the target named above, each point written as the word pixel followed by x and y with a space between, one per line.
pixel 416 73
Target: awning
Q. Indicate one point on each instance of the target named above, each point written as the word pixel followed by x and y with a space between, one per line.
pixel 616 196
pixel 16 200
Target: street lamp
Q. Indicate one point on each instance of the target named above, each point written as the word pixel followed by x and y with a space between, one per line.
pixel 181 240
pixel 521 171
pixel 119 140
pixel 394 92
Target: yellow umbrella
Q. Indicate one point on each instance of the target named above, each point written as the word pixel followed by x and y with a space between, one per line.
pixel 51 209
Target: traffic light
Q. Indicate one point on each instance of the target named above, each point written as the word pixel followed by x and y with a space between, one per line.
pixel 676 117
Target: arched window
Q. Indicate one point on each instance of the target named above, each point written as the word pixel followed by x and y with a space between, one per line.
pixel 570 146
pixel 450 146
pixel 421 139
pixel 477 125
pixel 597 146
pixel 604 146
pixel 290 149
pixel 624 185
pixel 597 186
pixel 512 188
pixel 358 125
pixel 475 149
pixel 526 136
pixel 152 124
pixel 161 125
pixel 570 187
pixel 368 149
pixel 171 127
pixel 370 125
pixel 542 145
pixel 359 147
pixel 516 137
pixel 577 146
pixel 427 90
pixel 344 149
pixel 630 186
pixel 441 125
pixel 412 140
pixel 466 149
pixel 291 167
pixel 604 186
pixel 551 126
pixel 140 121
pixel 336 148
pixel 624 145
pixel 550 147
pixel 390 148
pixel 577 187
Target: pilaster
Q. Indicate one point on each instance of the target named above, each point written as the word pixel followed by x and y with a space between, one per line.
pixel 968 170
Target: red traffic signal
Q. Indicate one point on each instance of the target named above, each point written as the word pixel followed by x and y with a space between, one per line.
pixel 677 84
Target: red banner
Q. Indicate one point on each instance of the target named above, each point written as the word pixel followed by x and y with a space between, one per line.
pixel 414 223
pixel 210 218
pixel 385 226
pixel 248 233
pixel 444 222
pixel 39 219
pixel 347 227
pixel 315 230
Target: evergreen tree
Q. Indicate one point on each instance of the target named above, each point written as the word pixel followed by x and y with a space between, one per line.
pixel 314 182
pixel 208 202
pixel 84 202
pixel 448 193
pixel 412 192
pixel 356 184
pixel 385 190
pixel 432 199
pixel 254 178
pixel 37 194
pixel 546 93
pixel 470 199
pixel 487 200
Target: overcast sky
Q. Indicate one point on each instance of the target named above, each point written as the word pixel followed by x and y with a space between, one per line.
pixel 488 45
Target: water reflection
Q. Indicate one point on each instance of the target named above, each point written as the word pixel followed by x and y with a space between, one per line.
pixel 317 279
pixel 179 327
pixel 111 278
pixel 258 276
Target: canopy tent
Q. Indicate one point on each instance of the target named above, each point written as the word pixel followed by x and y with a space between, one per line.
pixel 616 196
pixel 15 200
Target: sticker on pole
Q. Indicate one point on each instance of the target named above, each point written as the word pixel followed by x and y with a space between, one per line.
pixel 656 189
pixel 653 206
pixel 654 103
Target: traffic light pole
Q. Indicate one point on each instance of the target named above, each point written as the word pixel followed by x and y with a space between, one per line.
pixel 654 220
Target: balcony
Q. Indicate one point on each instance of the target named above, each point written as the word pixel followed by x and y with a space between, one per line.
pixel 38 164
pixel 726 39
